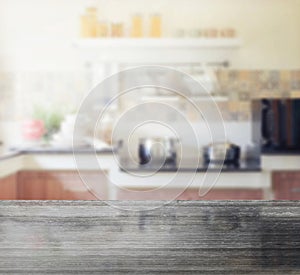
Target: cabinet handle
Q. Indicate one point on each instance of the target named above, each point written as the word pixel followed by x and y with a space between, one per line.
pixel 295 190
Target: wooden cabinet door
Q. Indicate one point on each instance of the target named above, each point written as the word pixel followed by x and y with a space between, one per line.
pixel 61 185
pixel 71 186
pixel 191 194
pixel 30 186
pixel 8 189
pixel 286 185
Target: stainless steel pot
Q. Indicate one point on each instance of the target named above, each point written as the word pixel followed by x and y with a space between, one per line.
pixel 222 152
pixel 157 150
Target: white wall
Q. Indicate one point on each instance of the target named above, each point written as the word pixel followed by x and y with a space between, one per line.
pixel 38 33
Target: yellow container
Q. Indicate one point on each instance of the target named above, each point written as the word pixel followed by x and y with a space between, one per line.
pixel 102 29
pixel 136 26
pixel 117 30
pixel 84 26
pixel 88 23
pixel 155 25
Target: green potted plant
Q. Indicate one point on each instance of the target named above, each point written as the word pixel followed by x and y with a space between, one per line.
pixel 52 120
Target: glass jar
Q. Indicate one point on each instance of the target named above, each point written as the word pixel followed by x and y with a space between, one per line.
pixel 102 29
pixel 89 23
pixel 84 26
pixel 210 33
pixel 228 32
pixel 117 29
pixel 155 25
pixel 136 25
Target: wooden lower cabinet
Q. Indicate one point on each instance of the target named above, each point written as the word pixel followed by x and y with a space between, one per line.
pixel 286 185
pixel 61 185
pixel 8 187
pixel 191 194
pixel 68 185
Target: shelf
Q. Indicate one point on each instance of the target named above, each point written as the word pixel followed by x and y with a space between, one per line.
pixel 163 51
pixel 175 43
pixel 174 98
pixel 208 98
pixel 160 98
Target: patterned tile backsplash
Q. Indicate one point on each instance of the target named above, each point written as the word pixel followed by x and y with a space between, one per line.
pixel 240 86
pixel 21 91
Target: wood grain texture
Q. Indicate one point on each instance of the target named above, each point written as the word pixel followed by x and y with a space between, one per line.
pixel 61 185
pixel 8 187
pixel 182 237
pixel 286 185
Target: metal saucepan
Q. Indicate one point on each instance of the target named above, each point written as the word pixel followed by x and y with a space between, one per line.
pixel 157 150
pixel 222 152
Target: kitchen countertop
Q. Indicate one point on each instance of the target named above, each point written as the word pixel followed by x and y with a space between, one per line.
pixel 61 150
pixel 182 237
pixel 244 166
pixel 8 155
pixel 285 152
pixel 90 149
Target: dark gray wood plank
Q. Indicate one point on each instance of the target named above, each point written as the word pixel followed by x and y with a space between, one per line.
pixel 183 237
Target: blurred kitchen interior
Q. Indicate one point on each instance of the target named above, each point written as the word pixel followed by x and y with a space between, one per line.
pixel 43 69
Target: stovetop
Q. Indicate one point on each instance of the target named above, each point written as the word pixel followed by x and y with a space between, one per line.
pixel 242 166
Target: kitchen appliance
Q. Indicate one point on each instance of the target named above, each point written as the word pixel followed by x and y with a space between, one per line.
pixel 157 151
pixel 222 152
pixel 276 124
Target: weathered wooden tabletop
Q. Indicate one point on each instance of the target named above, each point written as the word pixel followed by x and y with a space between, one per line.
pixel 183 237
